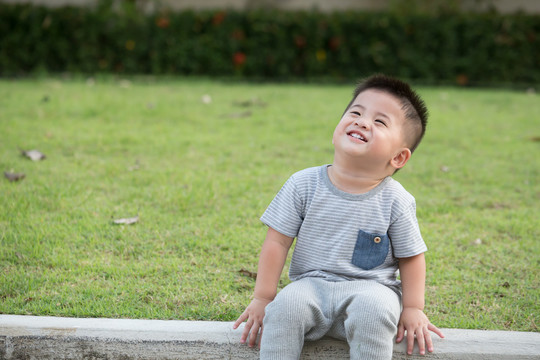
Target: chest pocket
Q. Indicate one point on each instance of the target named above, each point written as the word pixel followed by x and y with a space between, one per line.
pixel 370 250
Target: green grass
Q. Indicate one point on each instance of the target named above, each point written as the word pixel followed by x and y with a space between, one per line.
pixel 200 178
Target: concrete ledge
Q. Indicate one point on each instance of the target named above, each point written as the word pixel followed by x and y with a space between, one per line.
pixel 31 337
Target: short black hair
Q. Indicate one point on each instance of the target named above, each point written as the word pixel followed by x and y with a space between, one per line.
pixel 412 104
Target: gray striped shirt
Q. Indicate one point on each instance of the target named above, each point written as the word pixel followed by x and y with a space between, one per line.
pixel 343 236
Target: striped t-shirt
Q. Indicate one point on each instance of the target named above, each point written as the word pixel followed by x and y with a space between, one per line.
pixel 343 236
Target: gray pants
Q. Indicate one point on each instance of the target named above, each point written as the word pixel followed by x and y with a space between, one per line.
pixel 365 313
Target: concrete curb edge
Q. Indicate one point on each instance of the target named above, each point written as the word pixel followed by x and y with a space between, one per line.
pixel 24 337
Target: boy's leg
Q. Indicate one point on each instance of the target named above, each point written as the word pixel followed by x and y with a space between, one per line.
pixel 369 313
pixel 297 313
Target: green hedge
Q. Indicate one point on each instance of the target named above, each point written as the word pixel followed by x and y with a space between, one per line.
pixel 462 48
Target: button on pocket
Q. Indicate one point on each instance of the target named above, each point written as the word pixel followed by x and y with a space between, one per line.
pixel 370 250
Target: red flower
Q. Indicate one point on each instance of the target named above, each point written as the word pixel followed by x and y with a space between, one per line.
pixel 462 79
pixel 239 58
pixel 300 41
pixel 334 43
pixel 163 22
pixel 238 35
pixel 218 18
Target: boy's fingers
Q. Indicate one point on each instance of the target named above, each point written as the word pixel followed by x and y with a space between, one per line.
pixel 253 335
pixel 429 342
pixel 245 333
pixel 240 320
pixel 436 330
pixel 410 342
pixel 421 341
pixel 400 333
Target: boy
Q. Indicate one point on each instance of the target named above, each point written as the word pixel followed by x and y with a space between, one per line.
pixel 355 227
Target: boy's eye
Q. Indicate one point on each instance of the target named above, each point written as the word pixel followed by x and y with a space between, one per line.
pixel 356 113
pixel 381 122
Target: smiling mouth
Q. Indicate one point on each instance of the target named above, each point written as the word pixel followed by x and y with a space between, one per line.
pixel 357 136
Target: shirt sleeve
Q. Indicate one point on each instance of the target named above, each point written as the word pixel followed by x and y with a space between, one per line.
pixel 405 234
pixel 285 212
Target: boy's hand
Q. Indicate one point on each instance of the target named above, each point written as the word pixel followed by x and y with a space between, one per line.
pixel 254 314
pixel 415 322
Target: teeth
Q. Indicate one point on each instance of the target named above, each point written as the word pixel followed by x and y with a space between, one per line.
pixel 357 136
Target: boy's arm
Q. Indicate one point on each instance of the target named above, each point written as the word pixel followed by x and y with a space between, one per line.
pixel 413 319
pixel 271 261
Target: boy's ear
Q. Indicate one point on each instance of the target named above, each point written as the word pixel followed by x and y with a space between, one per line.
pixel 401 158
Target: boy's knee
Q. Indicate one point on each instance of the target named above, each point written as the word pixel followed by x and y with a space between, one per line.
pixel 294 302
pixel 368 310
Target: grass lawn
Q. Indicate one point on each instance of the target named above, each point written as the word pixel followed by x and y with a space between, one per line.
pixel 200 174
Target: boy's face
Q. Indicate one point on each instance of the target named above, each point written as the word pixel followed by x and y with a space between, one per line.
pixel 372 130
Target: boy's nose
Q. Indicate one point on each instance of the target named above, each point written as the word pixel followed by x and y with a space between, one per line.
pixel 362 123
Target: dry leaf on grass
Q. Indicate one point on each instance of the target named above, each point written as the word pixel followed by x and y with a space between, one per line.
pixel 206 99
pixel 127 221
pixel 135 167
pixel 248 273
pixel 251 102
pixel 238 115
pixel 11 176
pixel 125 84
pixel 34 155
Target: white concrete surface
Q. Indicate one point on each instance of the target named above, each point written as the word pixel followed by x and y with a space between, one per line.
pixel 31 337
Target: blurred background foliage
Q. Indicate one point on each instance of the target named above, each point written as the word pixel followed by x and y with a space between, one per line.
pixel 431 42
